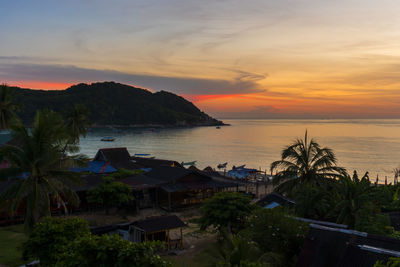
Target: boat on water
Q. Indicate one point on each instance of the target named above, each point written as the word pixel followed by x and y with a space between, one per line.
pixel 222 165
pixel 218 127
pixel 108 139
pixel 190 163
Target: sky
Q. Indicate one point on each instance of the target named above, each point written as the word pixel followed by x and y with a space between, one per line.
pixel 232 58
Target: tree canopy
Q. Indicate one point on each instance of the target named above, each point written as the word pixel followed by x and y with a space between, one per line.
pixel 110 193
pixel 305 161
pixel 225 210
pixel 39 168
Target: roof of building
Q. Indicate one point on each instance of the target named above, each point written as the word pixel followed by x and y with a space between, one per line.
pixel 141 181
pixel 118 157
pixel 276 198
pixel 161 223
pixel 96 166
pixel 168 174
pixel 329 246
pixel 115 154
pixel 151 162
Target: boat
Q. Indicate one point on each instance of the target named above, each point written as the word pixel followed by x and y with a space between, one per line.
pixel 190 163
pixel 218 127
pixel 222 165
pixel 108 139
pixel 142 155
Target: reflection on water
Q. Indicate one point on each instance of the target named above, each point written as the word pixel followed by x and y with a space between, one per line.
pixel 372 145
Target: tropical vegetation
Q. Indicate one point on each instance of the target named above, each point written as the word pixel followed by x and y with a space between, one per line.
pixel 8 107
pixel 225 210
pixel 110 193
pixel 305 162
pixel 39 168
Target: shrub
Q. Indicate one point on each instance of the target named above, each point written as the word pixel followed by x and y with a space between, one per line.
pixel 108 250
pixel 51 236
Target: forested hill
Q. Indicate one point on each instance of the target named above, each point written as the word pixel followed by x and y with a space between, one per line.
pixel 111 103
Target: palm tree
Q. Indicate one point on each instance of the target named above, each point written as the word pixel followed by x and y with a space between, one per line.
pixel 305 162
pixel 76 123
pixel 353 198
pixel 7 106
pixel 39 159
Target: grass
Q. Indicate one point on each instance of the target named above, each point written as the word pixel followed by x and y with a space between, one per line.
pixel 11 239
pixel 201 259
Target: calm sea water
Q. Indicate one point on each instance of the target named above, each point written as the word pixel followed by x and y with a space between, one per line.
pixel 362 145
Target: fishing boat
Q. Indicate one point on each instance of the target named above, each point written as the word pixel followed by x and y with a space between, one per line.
pixel 222 165
pixel 108 139
pixel 190 163
pixel 142 155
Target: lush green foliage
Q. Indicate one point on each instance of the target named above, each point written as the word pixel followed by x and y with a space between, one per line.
pixel 236 250
pixel 51 236
pixel 112 103
pixel 225 209
pixel 8 106
pixel 110 193
pixel 278 234
pixel 305 162
pixel 108 250
pixel 392 262
pixel 76 123
pixel 39 156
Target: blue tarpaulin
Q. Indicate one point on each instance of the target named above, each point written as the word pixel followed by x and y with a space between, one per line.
pixel 271 205
pixel 96 167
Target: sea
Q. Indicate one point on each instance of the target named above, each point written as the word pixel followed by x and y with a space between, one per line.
pixel 362 145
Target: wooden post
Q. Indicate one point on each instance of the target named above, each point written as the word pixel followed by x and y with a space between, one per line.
pixel 169 201
pixel 156 197
pixel 181 239
pixel 257 189
pixel 169 243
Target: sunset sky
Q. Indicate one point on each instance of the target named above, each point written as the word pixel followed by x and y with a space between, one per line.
pixel 234 59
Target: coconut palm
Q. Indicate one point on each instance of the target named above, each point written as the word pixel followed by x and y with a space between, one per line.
pixel 7 106
pixel 353 198
pixel 39 169
pixel 76 123
pixel 305 161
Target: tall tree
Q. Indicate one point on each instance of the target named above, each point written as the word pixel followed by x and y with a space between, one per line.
pixel 225 209
pixel 7 106
pixel 77 122
pixel 305 161
pixel 39 167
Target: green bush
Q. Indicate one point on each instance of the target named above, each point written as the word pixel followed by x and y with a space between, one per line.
pixel 276 232
pixel 108 250
pixel 225 210
pixel 110 194
pixel 392 262
pixel 51 236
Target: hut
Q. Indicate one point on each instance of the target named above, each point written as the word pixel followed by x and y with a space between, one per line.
pixel 158 229
pixel 150 229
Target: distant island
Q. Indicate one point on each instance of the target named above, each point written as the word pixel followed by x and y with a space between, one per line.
pixel 115 104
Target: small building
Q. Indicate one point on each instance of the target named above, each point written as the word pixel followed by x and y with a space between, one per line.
pixel 158 229
pixel 180 187
pixel 150 229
